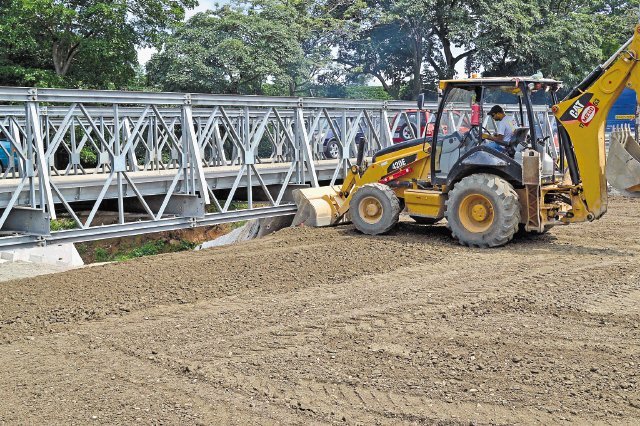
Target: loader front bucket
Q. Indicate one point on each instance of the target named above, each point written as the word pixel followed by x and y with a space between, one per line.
pixel 623 161
pixel 317 206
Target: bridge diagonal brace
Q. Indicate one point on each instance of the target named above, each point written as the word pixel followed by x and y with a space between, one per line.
pixel 285 184
pixel 170 191
pixel 139 196
pixel 103 192
pixel 232 192
pixel 12 201
pixel 66 205
pixel 367 118
pixel 214 199
pixel 262 184
pixel 103 141
pixel 235 138
pixel 259 132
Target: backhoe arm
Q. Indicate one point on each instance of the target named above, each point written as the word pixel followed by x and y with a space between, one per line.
pixel 583 115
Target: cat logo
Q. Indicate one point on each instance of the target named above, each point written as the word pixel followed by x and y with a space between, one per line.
pixel 576 112
pixel 576 108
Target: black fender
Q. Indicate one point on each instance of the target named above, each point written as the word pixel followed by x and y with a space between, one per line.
pixel 399 146
pixel 482 159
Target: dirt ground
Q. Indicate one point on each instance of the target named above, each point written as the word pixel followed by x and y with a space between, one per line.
pixel 317 326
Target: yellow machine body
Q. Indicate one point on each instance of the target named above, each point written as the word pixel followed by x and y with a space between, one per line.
pixel 328 205
pixel 407 170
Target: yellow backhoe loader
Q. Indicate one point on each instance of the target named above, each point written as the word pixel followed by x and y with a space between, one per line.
pixel 550 172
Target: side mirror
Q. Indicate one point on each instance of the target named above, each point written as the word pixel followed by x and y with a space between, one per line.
pixel 421 101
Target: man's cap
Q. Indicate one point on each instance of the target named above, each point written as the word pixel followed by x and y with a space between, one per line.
pixel 495 109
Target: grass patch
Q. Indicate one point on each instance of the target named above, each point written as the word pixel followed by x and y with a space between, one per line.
pixel 126 248
pixel 63 223
pixel 149 248
pixel 235 225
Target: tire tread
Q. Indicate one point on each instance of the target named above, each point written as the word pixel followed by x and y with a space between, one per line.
pixel 510 209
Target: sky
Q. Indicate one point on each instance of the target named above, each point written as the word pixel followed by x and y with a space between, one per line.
pixel 145 54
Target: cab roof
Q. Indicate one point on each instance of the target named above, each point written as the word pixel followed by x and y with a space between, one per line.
pixel 500 81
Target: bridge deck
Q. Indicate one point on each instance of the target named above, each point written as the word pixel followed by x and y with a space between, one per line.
pixel 86 187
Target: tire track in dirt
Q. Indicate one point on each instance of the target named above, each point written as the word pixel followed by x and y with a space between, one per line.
pixel 381 316
pixel 321 325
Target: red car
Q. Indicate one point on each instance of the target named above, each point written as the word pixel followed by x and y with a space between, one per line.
pixel 406 130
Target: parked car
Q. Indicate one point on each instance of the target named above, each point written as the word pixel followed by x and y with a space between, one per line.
pixel 4 155
pixel 331 147
pixel 408 129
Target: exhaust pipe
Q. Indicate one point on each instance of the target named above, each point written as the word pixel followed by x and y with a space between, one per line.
pixel 361 143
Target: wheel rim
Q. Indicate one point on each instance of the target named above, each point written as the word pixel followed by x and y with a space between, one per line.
pixel 370 210
pixel 406 133
pixel 333 150
pixel 476 213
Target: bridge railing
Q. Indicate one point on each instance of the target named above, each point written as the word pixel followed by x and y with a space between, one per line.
pixel 58 143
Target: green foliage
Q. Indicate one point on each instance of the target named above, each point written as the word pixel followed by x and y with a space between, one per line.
pixel 80 43
pixel 367 92
pixel 413 43
pixel 88 157
pixel 331 48
pixel 61 224
pixel 149 248
pixel 565 40
pixel 249 48
pixel 101 255
pixel 235 225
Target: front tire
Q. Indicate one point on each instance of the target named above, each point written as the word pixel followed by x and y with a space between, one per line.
pixel 483 210
pixel 375 209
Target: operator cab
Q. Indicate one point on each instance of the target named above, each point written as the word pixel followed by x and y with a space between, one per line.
pixel 460 144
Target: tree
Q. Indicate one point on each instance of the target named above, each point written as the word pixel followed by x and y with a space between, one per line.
pixel 81 42
pixel 417 42
pixel 399 41
pixel 239 48
pixel 382 52
pixel 564 39
pixel 310 28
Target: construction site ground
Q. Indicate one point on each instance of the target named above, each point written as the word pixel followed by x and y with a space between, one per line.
pixel 317 326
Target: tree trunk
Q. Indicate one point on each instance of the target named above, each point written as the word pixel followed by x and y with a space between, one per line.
pixel 62 57
pixel 384 83
pixel 448 55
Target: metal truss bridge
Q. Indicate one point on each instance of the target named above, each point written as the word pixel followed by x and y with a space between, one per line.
pixel 124 163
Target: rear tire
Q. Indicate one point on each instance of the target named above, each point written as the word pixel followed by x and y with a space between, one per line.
pixel 483 211
pixel 375 209
pixel 420 220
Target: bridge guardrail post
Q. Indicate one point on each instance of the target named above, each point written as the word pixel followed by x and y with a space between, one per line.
pixel 194 160
pixel 385 129
pixel 35 218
